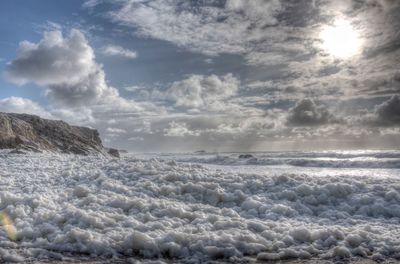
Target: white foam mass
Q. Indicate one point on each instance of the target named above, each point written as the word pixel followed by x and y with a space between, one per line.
pixel 64 206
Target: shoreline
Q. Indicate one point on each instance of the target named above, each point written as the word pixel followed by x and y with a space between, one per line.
pixel 250 261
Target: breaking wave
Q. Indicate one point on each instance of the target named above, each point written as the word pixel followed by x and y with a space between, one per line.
pixel 301 159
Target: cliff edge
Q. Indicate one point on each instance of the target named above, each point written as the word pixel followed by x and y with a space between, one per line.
pixel 30 132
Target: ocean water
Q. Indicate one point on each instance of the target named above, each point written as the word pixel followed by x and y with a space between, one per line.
pixel 233 207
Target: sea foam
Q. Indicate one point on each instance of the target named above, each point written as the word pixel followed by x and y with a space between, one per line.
pixel 66 205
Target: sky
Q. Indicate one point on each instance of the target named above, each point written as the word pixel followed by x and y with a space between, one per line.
pixel 214 75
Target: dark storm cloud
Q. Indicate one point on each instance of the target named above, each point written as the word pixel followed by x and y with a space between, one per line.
pixel 389 111
pixel 307 113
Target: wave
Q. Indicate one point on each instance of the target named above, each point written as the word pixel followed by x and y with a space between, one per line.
pixel 386 160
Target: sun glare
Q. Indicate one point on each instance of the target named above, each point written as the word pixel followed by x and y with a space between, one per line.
pixel 340 40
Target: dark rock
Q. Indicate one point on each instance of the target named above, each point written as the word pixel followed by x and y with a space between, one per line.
pixel 32 133
pixel 17 151
pixel 245 156
pixel 113 152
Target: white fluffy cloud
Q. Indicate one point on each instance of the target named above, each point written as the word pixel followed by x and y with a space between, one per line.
pixel 75 85
pixel 113 50
pixel 200 91
pixel 179 129
pixel 116 130
pixel 65 66
pixel 53 60
pixel 74 82
pixel 77 116
pixel 22 105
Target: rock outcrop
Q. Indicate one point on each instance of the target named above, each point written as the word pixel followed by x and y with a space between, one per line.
pixel 29 132
pixel 113 152
pixel 245 156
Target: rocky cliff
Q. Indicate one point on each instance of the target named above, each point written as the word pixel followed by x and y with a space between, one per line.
pixel 29 132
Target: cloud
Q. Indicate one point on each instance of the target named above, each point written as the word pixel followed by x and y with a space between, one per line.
pixel 135 139
pixel 224 127
pixel 199 91
pixel 389 111
pixel 22 105
pixel 265 32
pixel 91 3
pixel 383 115
pixel 211 28
pixel 26 106
pixel 113 50
pixel 113 133
pixel 75 86
pixel 255 127
pixel 276 33
pixel 116 130
pixel 53 60
pixel 90 90
pixel 47 26
pixel 178 129
pixel 76 116
pixel 65 66
pixel 307 113
pixel 134 88
pixel 256 10
pixel 386 4
pixel 280 60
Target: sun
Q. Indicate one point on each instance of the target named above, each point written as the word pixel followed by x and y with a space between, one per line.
pixel 340 40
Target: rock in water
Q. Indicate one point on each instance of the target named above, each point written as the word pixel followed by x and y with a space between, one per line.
pixel 113 152
pixel 29 132
pixel 245 156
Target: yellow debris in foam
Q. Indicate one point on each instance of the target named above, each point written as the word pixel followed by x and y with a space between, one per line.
pixel 8 225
